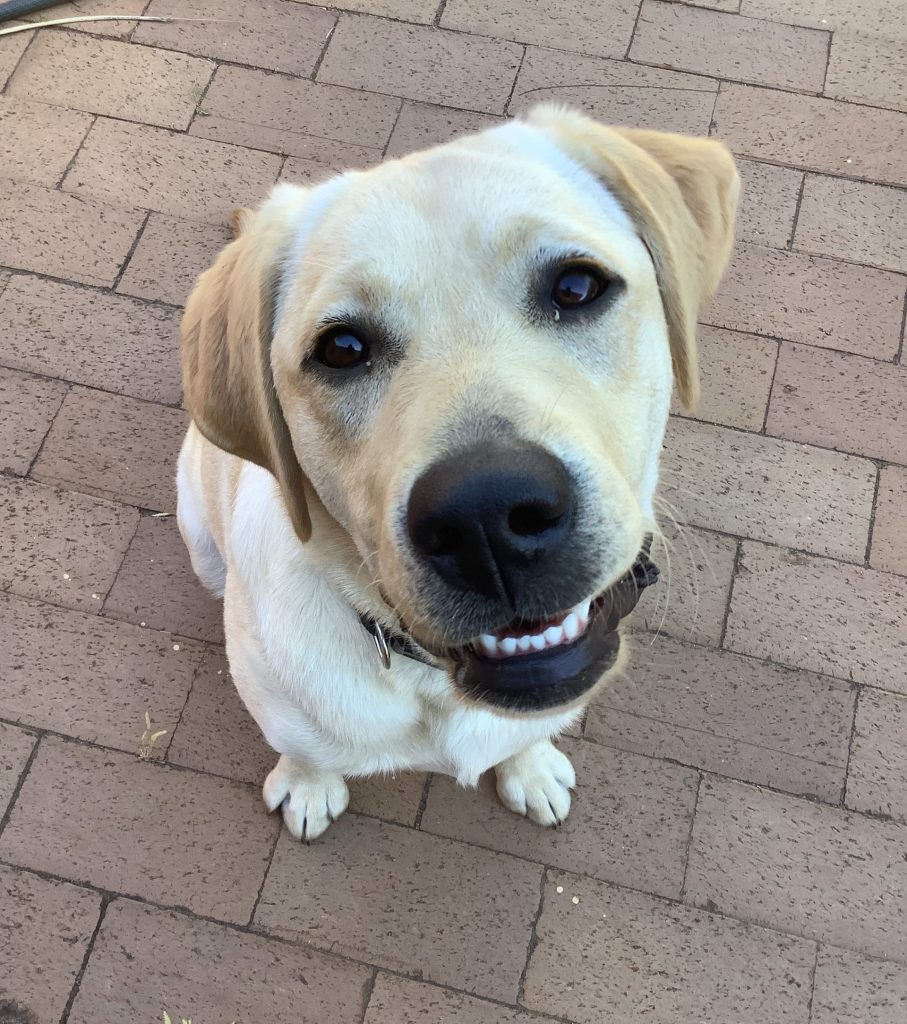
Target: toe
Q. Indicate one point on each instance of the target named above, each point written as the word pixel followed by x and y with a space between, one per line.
pixel 338 799
pixel 562 769
pixel 558 796
pixel 540 810
pixel 275 789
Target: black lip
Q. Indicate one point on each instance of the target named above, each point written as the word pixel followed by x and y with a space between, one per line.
pixel 559 675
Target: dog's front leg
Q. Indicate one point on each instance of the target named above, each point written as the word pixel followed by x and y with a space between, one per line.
pixel 537 783
pixel 309 799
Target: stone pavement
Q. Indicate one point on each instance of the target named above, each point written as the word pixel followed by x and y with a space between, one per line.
pixel 737 853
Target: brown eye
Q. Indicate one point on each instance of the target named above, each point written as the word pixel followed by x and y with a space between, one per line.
pixel 577 286
pixel 342 350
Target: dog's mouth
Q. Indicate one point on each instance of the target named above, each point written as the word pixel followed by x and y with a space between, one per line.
pixel 537 665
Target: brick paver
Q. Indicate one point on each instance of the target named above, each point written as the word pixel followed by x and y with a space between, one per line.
pixel 877 19
pixel 407 900
pixel 737 716
pixel 632 826
pixel 736 378
pixel 28 405
pixel 888 549
pixel 813 133
pixel 45 928
pixel 421 125
pixel 812 300
pixel 157 587
pixel 792 494
pixel 800 867
pixel 855 989
pixel 133 165
pixel 11 54
pixel 421 63
pixel 855 220
pixel 42 556
pixel 768 203
pixel 136 83
pixel 87 677
pixel 664 962
pixel 37 141
pixel 75 8
pixel 48 232
pixel 877 779
pixel 297 117
pixel 615 91
pixel 170 836
pixel 114 446
pixel 145 957
pixel 821 615
pixel 736 846
pixel 91 337
pixel 15 747
pixel 170 255
pixel 558 24
pixel 868 69
pixel 269 33
pixel 842 401
pixel 731 47
pixel 698 568
pixel 397 1000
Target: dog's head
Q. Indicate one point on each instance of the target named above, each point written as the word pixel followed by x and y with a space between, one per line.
pixel 466 357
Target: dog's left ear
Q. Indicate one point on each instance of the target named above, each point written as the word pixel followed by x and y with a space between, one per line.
pixel 682 194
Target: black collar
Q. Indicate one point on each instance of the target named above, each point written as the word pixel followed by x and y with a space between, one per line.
pixel 643 573
pixel 387 640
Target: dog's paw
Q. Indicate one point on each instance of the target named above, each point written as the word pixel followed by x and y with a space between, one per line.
pixel 537 783
pixel 309 800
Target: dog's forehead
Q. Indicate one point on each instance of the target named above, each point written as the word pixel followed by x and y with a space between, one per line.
pixel 462 208
pixel 470 191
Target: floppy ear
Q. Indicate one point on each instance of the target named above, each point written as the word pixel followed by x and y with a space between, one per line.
pixel 681 194
pixel 226 354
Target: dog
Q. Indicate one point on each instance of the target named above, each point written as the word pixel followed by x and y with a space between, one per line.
pixel 427 403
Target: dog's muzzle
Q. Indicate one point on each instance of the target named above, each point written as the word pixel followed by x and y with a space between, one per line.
pixel 561 662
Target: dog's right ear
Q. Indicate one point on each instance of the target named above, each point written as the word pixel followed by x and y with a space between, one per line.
pixel 226 355
pixel 681 194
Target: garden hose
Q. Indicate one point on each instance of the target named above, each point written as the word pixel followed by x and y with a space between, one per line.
pixel 19 8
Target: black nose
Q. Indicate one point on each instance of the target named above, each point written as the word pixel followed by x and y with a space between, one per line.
pixel 487 518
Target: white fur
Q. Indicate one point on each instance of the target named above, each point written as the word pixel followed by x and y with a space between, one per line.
pixel 308 672
pixel 304 665
pixel 535 145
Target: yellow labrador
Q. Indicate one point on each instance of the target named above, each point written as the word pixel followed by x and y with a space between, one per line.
pixel 428 401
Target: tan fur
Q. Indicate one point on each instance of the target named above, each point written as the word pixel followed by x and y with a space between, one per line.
pixel 239 220
pixel 682 192
pixel 226 353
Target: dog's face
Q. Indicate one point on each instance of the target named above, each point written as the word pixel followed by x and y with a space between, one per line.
pixel 467 356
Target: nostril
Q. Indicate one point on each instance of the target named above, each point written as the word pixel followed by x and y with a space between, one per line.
pixel 530 520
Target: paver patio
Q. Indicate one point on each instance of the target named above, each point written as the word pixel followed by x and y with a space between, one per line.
pixel 737 851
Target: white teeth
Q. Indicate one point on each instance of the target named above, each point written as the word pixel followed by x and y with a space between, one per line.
pixel 573 625
pixel 553 635
pixel 582 609
pixel 488 644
